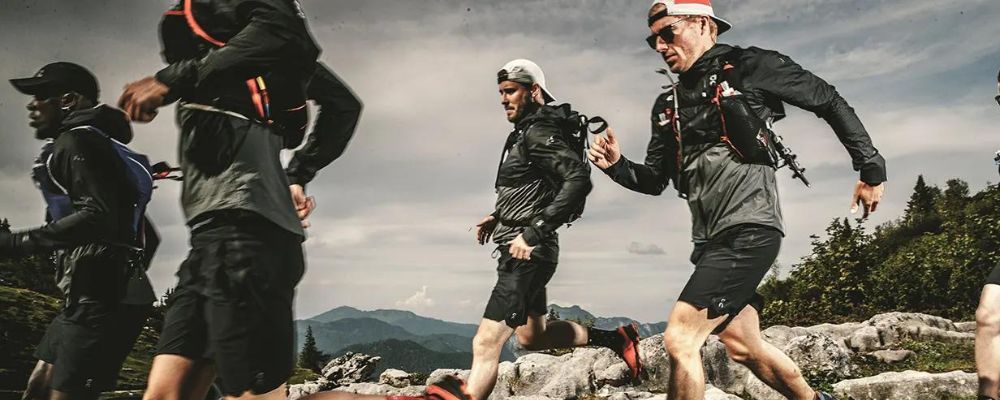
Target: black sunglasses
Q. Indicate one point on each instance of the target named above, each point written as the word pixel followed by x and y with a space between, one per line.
pixel 667 34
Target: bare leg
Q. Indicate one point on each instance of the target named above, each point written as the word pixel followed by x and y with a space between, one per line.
pixel 39 383
pixel 539 334
pixel 174 377
pixel 988 341
pixel 746 346
pixel 687 330
pixel 486 347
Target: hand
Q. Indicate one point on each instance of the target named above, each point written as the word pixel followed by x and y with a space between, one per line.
pixel 484 229
pixel 868 196
pixel 303 205
pixel 605 152
pixel 141 98
pixel 519 249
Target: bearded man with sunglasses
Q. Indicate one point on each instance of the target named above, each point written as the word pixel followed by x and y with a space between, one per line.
pixel 736 217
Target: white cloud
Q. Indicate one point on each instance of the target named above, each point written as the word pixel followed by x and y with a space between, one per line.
pixel 419 300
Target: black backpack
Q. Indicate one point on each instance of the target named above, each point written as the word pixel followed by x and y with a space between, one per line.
pixel 574 131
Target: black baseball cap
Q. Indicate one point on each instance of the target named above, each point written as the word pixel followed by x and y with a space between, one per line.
pixel 57 78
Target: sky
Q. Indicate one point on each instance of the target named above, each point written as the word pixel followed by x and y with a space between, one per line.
pixel 392 226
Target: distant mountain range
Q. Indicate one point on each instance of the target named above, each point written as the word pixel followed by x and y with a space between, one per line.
pixel 415 343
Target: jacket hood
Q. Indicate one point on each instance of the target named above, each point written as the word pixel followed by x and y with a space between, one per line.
pixel 557 114
pixel 109 120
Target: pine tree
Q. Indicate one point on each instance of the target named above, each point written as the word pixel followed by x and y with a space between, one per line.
pixel 4 226
pixel 310 357
pixel 922 200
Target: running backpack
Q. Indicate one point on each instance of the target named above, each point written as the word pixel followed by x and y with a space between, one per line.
pixel 137 173
pixel 574 130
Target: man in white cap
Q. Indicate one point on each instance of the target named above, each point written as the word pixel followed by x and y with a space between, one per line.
pixel 727 175
pixel 988 325
pixel 541 183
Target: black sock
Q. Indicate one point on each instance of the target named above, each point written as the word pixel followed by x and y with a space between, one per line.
pixel 602 338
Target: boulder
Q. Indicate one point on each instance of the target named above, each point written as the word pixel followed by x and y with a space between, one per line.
pixel 966 326
pixel 379 389
pixel 891 356
pixel 720 370
pixel 396 378
pixel 571 375
pixel 908 385
pixel 301 390
pixel 656 363
pixel 818 354
pixel 885 330
pixel 350 368
pixel 439 374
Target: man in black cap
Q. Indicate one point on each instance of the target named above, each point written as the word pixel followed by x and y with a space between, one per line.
pixel 242 71
pixel 710 138
pixel 94 225
pixel 988 324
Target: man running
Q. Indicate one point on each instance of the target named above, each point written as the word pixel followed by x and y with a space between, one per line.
pixel 94 226
pixel 242 71
pixel 541 183
pixel 988 325
pixel 736 217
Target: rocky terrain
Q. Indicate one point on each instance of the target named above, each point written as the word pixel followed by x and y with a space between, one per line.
pixel 836 354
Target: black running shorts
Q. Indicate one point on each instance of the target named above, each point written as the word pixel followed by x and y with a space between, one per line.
pixel 728 269
pixel 87 344
pixel 520 289
pixel 994 277
pixel 233 302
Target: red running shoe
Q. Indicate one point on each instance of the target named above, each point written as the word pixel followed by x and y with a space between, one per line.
pixel 630 350
pixel 449 388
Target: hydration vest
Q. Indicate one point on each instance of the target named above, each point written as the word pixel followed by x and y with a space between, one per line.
pixel 277 98
pixel 137 172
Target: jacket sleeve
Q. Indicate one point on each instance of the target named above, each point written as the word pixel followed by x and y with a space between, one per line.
pixel 653 176
pixel 778 75
pixel 249 53
pixel 549 152
pixel 339 111
pixel 78 160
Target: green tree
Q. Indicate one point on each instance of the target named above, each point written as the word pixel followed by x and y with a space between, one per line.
pixel 311 358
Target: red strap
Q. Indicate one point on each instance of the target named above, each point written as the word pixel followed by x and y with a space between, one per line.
pixel 259 99
pixel 189 14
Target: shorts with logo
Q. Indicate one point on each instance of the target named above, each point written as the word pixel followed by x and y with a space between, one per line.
pixel 728 269
pixel 520 289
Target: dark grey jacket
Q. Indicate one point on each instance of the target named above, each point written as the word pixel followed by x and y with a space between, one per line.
pixel 536 157
pixel 720 190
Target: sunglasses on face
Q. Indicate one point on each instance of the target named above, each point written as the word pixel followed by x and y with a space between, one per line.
pixel 667 34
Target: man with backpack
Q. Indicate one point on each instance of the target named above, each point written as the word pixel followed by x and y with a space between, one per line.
pixel 542 183
pixel 96 192
pixel 242 72
pixel 710 137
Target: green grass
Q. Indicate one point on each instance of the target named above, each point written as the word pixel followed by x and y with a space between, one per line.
pixel 301 375
pixel 24 315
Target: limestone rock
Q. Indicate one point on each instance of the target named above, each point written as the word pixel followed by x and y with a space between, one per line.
pixel 381 389
pixel 908 385
pixel 350 368
pixel 891 356
pixel 396 378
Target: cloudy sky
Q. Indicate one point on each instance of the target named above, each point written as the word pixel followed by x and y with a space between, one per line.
pixel 392 228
